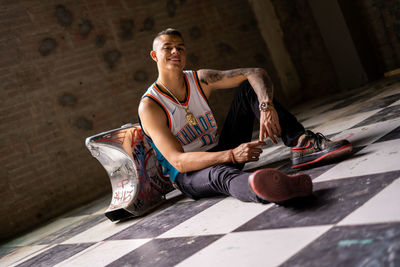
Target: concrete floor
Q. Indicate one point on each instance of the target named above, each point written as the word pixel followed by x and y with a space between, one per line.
pixel 353 218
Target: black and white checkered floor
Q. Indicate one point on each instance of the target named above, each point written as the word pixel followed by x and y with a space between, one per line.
pixel 353 218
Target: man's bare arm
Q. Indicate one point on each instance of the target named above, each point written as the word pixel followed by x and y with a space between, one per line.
pixel 262 85
pixel 154 123
pixel 258 78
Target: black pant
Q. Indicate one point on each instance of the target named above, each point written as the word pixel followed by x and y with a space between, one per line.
pixel 226 179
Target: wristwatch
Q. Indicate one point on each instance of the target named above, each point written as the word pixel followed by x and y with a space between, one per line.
pixel 264 106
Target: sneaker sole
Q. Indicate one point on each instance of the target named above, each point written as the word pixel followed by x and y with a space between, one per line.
pixel 275 186
pixel 340 152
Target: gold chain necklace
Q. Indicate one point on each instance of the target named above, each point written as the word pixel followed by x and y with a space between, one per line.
pixel 189 115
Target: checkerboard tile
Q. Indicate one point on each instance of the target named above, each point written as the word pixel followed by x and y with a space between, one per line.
pixel 20 254
pixel 221 218
pixel 103 253
pixel 376 158
pixel 265 248
pixel 359 245
pixel 165 251
pixel 340 197
pixel 54 255
pixel 372 211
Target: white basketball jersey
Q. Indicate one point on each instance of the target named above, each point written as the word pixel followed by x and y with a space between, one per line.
pixel 199 137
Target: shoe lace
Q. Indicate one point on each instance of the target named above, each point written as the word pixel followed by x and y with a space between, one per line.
pixel 318 137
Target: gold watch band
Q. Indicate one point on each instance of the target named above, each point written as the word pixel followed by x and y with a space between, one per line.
pixel 266 105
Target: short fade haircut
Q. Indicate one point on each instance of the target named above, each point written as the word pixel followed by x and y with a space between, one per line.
pixel 169 31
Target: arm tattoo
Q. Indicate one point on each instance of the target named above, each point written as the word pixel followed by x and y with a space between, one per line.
pixel 261 82
pixel 238 72
pixel 211 76
pixel 262 85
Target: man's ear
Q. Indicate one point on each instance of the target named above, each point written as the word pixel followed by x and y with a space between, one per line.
pixel 153 55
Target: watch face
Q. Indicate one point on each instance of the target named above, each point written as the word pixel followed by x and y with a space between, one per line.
pixel 263 106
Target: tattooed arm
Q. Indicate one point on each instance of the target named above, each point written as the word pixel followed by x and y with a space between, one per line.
pixel 258 78
pixel 262 85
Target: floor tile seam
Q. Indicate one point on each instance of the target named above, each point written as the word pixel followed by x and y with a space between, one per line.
pixel 104 237
pixel 47 233
pixel 361 123
pixel 381 183
pixel 64 233
pixel 364 125
pixel 55 253
pixel 80 211
pixel 301 246
pixel 393 221
pixel 366 224
pixel 395 172
pixel 186 236
pixel 220 225
pixel 383 95
pixel 76 243
pixel 394 104
pixel 98 244
pixel 310 242
pixel 381 150
pixel 248 231
pixel 96 212
pixel 34 254
pixel 343 119
pixel 19 246
pixel 338 236
pixel 175 222
pixel 383 141
pixel 11 250
pixel 387 137
pixel 375 197
pixel 315 103
pixel 360 107
pixel 354 113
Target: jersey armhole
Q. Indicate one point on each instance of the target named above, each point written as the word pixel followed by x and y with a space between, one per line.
pixel 162 107
pixel 197 81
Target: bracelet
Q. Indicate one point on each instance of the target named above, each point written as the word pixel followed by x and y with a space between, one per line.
pixel 232 157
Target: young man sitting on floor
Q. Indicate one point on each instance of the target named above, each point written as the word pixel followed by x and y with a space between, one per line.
pixel 175 116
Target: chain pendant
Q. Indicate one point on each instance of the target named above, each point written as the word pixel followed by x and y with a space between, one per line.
pixel 190 117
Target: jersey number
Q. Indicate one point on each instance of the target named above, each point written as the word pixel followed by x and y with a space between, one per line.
pixel 206 139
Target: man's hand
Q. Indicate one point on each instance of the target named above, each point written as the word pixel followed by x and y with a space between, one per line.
pixel 247 152
pixel 269 125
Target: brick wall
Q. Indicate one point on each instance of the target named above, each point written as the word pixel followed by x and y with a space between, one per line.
pixel 72 69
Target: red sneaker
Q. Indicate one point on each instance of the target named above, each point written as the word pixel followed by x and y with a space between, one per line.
pixel 276 186
pixel 316 148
